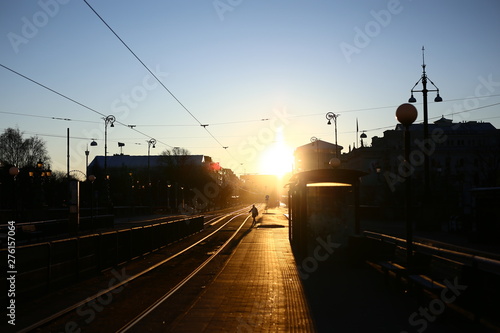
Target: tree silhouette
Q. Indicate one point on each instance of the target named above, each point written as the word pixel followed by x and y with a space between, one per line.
pixel 14 150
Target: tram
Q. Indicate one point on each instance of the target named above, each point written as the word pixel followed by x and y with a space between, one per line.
pixel 323 210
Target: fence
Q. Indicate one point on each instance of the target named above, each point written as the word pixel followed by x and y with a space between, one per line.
pixel 50 265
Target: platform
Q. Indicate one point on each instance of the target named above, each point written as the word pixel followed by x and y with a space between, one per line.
pixel 259 289
pixel 263 289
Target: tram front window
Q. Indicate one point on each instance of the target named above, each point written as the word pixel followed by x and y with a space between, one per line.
pixel 330 211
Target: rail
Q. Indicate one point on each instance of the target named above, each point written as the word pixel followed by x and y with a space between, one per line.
pixel 49 265
pixel 474 258
pixel 438 266
pixel 148 270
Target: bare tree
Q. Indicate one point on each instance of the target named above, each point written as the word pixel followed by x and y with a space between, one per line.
pixel 176 151
pixel 15 150
pixel 175 157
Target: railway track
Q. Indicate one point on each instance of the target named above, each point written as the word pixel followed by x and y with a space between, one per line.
pixel 169 279
pixel 433 244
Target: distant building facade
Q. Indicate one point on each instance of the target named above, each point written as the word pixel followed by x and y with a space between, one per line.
pixel 193 182
pixel 462 156
pixel 315 155
pixel 142 161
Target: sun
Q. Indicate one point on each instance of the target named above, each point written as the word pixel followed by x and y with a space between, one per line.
pixel 277 159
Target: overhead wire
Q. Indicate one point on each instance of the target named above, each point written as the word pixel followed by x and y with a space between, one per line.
pixel 389 106
pixel 264 119
pixel 156 78
pixel 48 117
pixel 209 124
pixel 431 118
pixel 103 116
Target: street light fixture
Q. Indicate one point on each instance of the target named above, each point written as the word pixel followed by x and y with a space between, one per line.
pixel 412 99
pixel 91 179
pixel 14 171
pixel 329 117
pixel 109 120
pixel 168 197
pixel 87 152
pixel 151 142
pixel 363 136
pixel 406 115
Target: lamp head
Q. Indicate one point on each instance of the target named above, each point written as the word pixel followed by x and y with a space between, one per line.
pixel 406 114
pixel 334 162
pixel 93 143
pixel 14 171
pixel 412 99
pixel 111 120
pixel 438 98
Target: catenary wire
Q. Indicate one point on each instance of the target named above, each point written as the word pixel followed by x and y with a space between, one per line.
pixel 76 102
pixel 156 78
pixel 136 130
pixel 49 117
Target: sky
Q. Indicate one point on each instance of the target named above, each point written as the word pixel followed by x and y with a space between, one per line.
pixel 259 75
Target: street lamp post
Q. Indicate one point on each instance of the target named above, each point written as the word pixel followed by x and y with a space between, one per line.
pixel 406 115
pixel 151 142
pixel 91 179
pixel 109 120
pixel 14 171
pixel 41 175
pixel 329 117
pixel 182 191
pixel 87 152
pixel 363 136
pixel 168 197
pixel 412 99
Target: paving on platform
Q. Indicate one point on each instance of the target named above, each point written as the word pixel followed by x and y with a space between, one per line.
pixel 258 290
pixel 263 289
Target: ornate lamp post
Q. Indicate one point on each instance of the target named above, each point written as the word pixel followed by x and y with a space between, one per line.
pixel 109 120
pixel 412 99
pixel 406 115
pixel 151 142
pixel 329 117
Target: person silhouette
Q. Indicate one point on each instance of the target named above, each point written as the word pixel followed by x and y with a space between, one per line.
pixel 254 212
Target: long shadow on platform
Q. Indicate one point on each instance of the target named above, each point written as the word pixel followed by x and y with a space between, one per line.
pixel 346 297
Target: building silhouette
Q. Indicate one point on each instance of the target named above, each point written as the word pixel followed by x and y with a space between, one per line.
pixel 314 155
pixel 463 157
pixel 175 182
